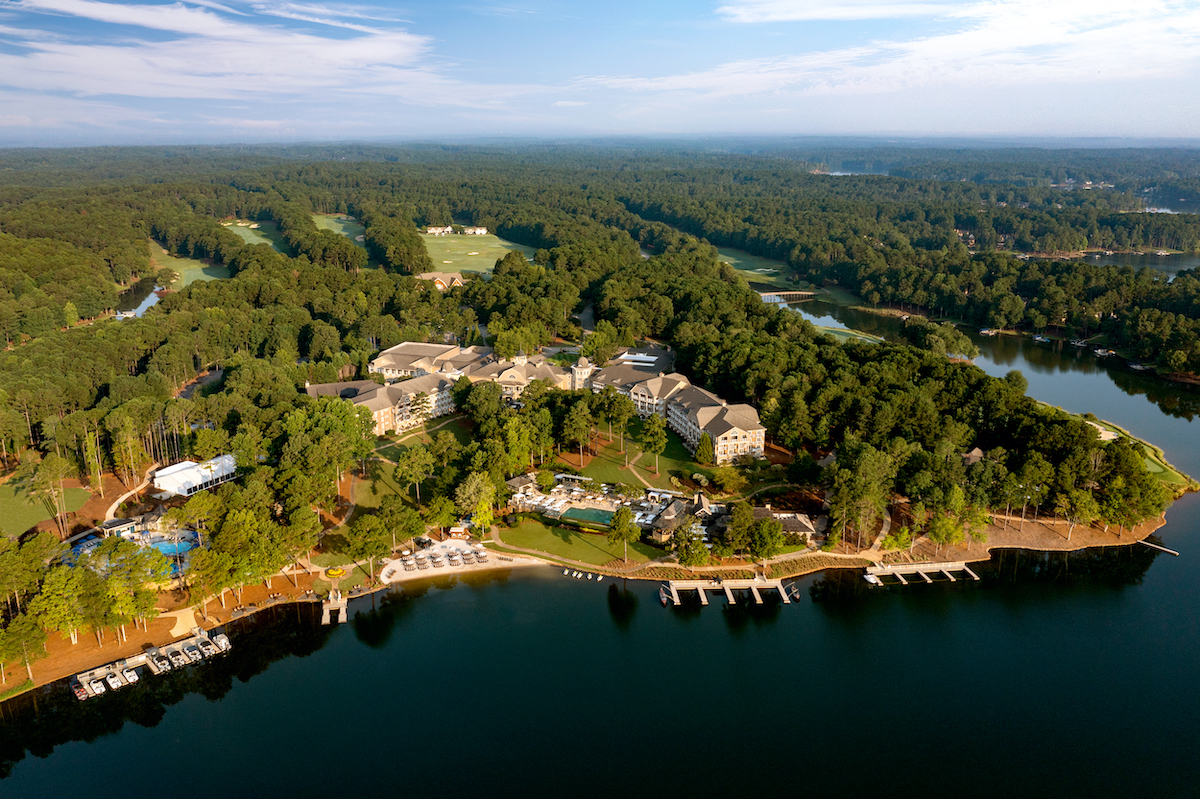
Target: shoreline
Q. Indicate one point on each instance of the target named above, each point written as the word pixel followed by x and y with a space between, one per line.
pixel 66 659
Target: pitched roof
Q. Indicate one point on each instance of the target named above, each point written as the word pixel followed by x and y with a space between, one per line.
pixel 622 376
pixel 662 387
pixel 348 390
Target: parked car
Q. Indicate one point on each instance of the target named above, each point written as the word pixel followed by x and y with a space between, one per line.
pixel 97 687
pixel 114 682
pixel 130 675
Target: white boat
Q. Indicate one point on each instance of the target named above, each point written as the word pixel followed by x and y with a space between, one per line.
pixel 589 576
pixel 872 579
pixel 566 571
pixel 599 577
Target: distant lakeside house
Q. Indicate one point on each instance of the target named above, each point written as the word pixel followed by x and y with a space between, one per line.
pixel 442 280
pixel 414 368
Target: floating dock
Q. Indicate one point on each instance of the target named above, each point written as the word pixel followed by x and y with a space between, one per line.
pixel 728 587
pixel 904 572
pixel 146 662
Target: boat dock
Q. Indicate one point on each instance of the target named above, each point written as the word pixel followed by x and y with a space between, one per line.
pixel 906 572
pixel 728 586
pixel 154 660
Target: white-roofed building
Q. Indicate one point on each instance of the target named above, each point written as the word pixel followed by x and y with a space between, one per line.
pixel 188 477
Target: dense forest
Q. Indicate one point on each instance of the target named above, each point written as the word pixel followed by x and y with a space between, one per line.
pixel 625 233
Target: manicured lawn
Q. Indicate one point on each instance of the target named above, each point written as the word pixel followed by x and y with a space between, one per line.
pixel 19 511
pixel 608 464
pixel 585 547
pixel 844 335
pixel 1156 461
pixel 391 446
pixel 472 253
pixel 353 579
pixel 265 233
pixel 339 224
pixel 189 269
pixel 754 268
pixel 370 491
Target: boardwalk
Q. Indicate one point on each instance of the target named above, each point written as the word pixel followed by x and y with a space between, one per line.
pixel 728 586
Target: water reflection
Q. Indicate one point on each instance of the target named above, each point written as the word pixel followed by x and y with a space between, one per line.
pixel 43 719
pixel 1112 568
pixel 999 354
pixel 622 606
pixel 745 613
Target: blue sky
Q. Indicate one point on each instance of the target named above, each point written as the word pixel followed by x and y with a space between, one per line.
pixel 94 72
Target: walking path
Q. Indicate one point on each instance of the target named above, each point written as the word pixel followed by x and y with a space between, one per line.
pixel 407 436
pixel 111 513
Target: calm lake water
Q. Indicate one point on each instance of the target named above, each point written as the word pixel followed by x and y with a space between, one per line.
pixel 1072 674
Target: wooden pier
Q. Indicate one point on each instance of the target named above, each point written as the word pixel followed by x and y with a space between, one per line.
pixel 923 570
pixel 728 586
pixel 1160 549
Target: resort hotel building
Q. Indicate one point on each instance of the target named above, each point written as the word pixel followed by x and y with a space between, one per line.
pixel 418 378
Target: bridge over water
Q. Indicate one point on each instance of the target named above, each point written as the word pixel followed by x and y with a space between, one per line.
pixel 785 296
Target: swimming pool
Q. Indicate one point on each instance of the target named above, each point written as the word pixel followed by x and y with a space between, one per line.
pixel 589 515
pixel 171 548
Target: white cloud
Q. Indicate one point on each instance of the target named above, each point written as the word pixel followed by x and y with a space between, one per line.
pixel 211 56
pixel 568 103
pixel 1004 42
pixel 808 10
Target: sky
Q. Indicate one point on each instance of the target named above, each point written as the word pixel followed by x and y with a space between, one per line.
pixel 77 72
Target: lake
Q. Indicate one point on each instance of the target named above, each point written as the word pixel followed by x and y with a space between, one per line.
pixel 1073 674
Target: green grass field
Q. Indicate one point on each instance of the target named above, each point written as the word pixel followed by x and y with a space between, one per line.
pixel 19 512
pixel 391 446
pixel 265 233
pixel 1156 462
pixel 754 268
pixel 472 253
pixel 585 547
pixel 844 334
pixel 369 492
pixel 342 225
pixel 608 464
pixel 189 269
